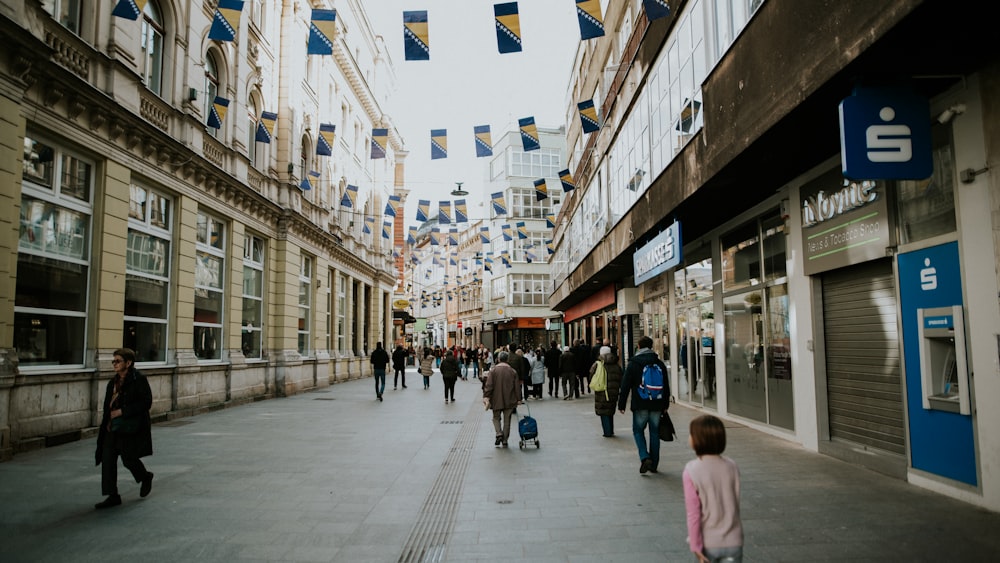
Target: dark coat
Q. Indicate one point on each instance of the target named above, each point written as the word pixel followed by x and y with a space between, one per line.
pixel 582 356
pixel 567 364
pixel 633 377
pixel 449 367
pixel 605 404
pixel 522 366
pixel 399 359
pixel 135 400
pixel 380 358
pixel 552 360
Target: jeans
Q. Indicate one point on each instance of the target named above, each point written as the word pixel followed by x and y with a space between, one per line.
pixel 641 419
pixel 724 554
pixel 379 381
pixel 427 382
pixel 395 377
pixel 449 388
pixel 475 369
pixel 608 424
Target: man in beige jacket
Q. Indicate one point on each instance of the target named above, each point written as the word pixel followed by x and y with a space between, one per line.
pixel 503 390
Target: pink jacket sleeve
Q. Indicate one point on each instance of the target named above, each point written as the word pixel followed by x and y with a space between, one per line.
pixel 692 505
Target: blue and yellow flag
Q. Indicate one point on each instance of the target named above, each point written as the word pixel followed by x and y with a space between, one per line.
pixel 461 212
pixel 507 233
pixel 505 258
pixel 265 127
pixel 386 229
pixel 484 235
pixel 369 223
pixel 499 205
pixel 656 9
pixel 423 209
pixel 452 261
pixel 390 206
pixel 435 239
pixel 591 22
pixel 549 247
pixel 541 190
pixel 416 39
pixel 529 257
pixel 689 113
pixel 324 145
pixel 439 143
pixel 350 196
pixel 321 31
pixel 380 140
pixel 550 221
pixel 567 181
pixel 508 27
pixel 453 236
pixel 588 116
pixel 522 230
pixel 529 134
pixel 226 20
pixel 484 141
pixel 444 212
pixel 488 263
pixel 218 112
pixel 305 184
pixel 411 237
pixel 129 9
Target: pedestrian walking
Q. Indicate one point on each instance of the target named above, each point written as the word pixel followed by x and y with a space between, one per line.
pixel 537 373
pixel 522 365
pixel 379 360
pixel 502 391
pixel 606 399
pixel 639 382
pixel 567 373
pixel 399 366
pixel 126 429
pixel 552 367
pixel 427 367
pixel 712 495
pixel 449 374
pixel 581 353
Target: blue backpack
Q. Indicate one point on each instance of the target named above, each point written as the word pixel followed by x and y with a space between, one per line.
pixel 651 385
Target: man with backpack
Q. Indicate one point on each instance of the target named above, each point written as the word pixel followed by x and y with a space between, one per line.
pixel 645 379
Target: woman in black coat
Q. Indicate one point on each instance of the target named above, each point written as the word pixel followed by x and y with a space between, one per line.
pixel 126 429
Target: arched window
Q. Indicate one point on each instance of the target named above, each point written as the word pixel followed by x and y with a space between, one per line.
pixel 254 153
pixel 152 47
pixel 211 87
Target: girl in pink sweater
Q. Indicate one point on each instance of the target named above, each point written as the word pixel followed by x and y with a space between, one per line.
pixel 712 495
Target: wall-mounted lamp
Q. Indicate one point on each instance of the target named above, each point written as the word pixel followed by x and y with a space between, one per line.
pixel 192 94
pixel 458 191
pixel 948 114
pixel 291 167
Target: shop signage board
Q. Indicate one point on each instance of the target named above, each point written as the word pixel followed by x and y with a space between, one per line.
pixel 658 255
pixel 885 134
pixel 843 222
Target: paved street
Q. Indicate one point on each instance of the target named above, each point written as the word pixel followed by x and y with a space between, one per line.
pixel 334 475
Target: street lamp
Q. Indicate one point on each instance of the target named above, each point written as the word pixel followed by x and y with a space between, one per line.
pixel 458 191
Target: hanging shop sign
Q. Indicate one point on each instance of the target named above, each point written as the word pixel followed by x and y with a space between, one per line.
pixel 885 133
pixel 658 255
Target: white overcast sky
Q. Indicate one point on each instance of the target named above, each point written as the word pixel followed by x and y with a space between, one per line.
pixel 467 82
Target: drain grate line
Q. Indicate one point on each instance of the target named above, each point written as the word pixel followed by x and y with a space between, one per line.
pixel 428 539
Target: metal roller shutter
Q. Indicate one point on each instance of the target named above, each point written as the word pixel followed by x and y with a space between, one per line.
pixel 862 356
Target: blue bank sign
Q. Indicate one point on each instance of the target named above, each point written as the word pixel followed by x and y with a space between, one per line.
pixel 885 133
pixel 658 255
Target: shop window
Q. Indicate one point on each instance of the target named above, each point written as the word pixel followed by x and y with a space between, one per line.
pixel 148 274
pixel 209 275
pixel 926 208
pixel 252 331
pixel 305 304
pixel 54 243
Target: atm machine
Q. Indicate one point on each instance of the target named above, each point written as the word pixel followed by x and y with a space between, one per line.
pixel 944 367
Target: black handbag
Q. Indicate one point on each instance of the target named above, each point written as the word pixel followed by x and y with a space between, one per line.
pixel 124 425
pixel 667 432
